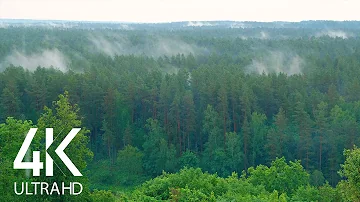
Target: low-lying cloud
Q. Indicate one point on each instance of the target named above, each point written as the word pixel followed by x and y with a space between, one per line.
pixel 261 35
pixel 276 62
pixel 154 47
pixel 334 34
pixel 4 25
pixel 198 24
pixel 264 35
pixel 238 25
pixel 47 58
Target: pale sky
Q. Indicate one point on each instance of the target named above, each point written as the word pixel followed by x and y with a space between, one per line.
pixel 181 10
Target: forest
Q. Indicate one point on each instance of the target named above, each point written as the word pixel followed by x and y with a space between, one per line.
pixel 187 113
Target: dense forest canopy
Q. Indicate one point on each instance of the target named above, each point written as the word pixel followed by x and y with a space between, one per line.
pixel 232 104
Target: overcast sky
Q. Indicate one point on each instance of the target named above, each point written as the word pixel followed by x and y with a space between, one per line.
pixel 181 10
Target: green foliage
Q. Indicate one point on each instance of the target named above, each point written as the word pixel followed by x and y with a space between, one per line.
pixel 234 155
pixel 350 188
pixel 191 184
pixel 62 120
pixel 276 137
pixel 317 178
pixel 130 160
pixel 273 197
pixel 227 105
pixel 103 175
pixel 215 157
pixel 10 104
pixel 186 194
pixel 189 159
pixel 129 164
pixel 158 156
pixel 259 130
pixel 102 196
pixel 329 193
pixel 281 176
pixel 160 187
pixel 216 161
pixel 12 135
pixel 306 193
pixel 211 128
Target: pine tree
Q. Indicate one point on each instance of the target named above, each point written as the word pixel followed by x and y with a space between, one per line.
pixel 158 156
pixel 303 123
pixel 281 126
pixel 223 108
pixel 245 131
pixel 258 132
pixel 164 100
pixel 321 125
pixel 109 126
pixel 175 112
pixel 246 105
pixel 212 129
pixel 189 118
pixel 10 103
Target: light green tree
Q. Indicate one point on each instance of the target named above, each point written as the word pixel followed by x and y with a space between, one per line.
pixel 62 120
pixel 350 188
pixel 281 176
pixel 12 135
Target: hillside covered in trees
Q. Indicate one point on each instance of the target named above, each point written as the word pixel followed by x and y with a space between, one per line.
pixel 183 112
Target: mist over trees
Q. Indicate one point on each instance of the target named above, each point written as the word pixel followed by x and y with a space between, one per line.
pixel 192 113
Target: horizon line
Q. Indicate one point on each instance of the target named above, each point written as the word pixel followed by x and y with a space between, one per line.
pixel 164 22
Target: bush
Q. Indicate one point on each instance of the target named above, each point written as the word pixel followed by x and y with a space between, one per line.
pixel 102 196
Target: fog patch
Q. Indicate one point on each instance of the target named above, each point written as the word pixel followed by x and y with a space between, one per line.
pixel 126 27
pixel 198 24
pixel 150 46
pixel 260 35
pixel 264 35
pixel 105 46
pixel 47 58
pixel 4 25
pixel 276 62
pixel 169 46
pixel 169 69
pixel 237 25
pixel 59 25
pixel 334 34
pixel 242 37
